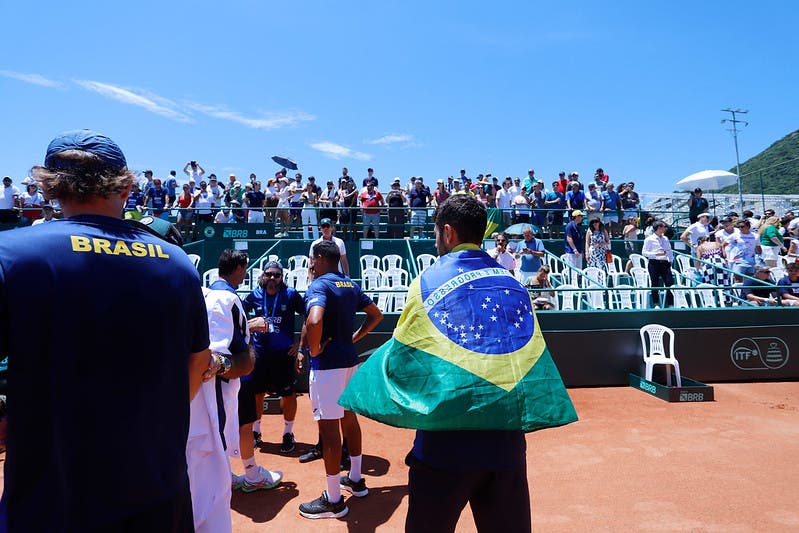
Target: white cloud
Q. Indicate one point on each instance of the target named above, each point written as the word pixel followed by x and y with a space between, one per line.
pixel 35 79
pixel 268 121
pixel 337 151
pixel 150 102
pixel 393 138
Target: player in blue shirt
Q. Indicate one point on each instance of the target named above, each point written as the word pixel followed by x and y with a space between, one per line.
pixel 331 302
pixel 275 353
pixel 78 354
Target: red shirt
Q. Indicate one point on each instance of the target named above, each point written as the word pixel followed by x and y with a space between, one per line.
pixel 369 202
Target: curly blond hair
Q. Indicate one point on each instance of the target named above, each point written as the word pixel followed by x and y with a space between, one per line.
pixel 83 176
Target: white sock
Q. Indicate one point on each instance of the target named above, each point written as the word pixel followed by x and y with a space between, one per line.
pixel 256 426
pixel 288 426
pixel 251 471
pixel 355 468
pixel 333 488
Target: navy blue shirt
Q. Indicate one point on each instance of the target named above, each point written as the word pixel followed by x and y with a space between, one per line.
pixel 341 299
pixel 279 311
pixel 134 199
pixel 255 199
pixel 418 198
pixel 786 286
pixel 97 357
pixel 158 196
pixel 574 232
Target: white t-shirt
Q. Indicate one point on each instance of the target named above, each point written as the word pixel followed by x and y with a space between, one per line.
pixel 504 197
pixel 7 195
pixel 34 199
pixel 697 230
pixel 505 259
pixel 722 237
pixel 341 249
pixel 42 221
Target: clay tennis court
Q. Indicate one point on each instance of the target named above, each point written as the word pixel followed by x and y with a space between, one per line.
pixel 632 463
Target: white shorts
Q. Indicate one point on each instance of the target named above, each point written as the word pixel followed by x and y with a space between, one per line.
pixel 254 216
pixel 325 388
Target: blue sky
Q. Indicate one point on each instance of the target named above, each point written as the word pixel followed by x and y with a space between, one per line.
pixel 406 87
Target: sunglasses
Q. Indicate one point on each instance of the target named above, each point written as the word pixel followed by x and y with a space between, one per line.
pixel 272 275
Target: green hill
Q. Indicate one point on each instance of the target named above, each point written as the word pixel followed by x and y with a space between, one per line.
pixel 779 166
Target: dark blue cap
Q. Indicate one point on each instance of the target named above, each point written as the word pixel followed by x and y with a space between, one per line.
pixel 86 141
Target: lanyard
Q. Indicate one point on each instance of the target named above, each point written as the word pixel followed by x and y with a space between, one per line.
pixel 274 305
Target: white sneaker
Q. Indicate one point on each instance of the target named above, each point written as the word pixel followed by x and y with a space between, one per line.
pixel 268 479
pixel 236 481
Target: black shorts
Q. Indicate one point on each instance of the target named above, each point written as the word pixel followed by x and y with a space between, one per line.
pixel 273 375
pixel 499 499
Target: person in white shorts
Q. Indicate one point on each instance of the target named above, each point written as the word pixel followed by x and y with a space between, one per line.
pixel 331 302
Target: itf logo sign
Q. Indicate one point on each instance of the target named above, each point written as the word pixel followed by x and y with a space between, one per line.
pixel 759 353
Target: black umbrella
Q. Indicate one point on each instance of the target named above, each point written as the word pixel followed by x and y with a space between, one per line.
pixel 284 162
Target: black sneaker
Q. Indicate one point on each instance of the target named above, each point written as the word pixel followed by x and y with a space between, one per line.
pixel 321 508
pixel 288 443
pixel 311 455
pixel 356 489
pixel 256 438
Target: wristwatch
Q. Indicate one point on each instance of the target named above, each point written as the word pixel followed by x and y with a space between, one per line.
pixel 223 362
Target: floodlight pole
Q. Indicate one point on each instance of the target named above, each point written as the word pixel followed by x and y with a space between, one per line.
pixel 734 121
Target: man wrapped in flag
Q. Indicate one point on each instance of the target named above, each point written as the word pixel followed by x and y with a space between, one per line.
pixel 467 368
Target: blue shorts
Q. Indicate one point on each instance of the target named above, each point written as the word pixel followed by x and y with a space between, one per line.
pixel 743 268
pixel 418 217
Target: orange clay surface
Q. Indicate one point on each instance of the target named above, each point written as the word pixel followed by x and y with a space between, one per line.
pixel 632 463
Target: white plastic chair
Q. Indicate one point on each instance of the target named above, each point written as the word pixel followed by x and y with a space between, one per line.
pixel 254 277
pixel 683 261
pixel 655 352
pixel 297 279
pixel 622 297
pixel 616 265
pixel 298 261
pixel 370 261
pixel 690 275
pixel 570 297
pixel 265 260
pixel 371 279
pixel 392 299
pixel 395 277
pixel 210 276
pixel 707 295
pixel 595 298
pixel 554 263
pixel 195 260
pixel 423 261
pixel 391 261
pixel 641 279
pixel 639 260
pixel 684 298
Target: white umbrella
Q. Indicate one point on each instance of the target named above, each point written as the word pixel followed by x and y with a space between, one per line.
pixel 711 180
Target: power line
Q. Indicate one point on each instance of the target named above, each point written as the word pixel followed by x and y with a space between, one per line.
pixel 735 121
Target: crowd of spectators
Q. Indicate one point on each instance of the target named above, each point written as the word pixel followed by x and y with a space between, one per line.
pixel 295 204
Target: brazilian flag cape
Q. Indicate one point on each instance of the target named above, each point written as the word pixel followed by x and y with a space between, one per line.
pixel 467 354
